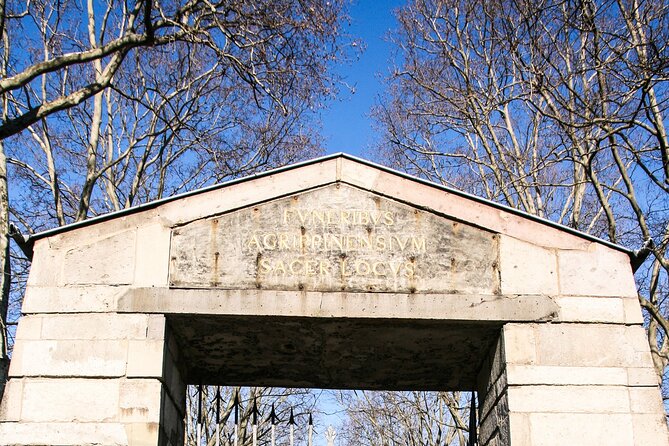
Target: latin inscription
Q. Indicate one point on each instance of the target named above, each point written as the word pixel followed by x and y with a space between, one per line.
pixel 315 232
pixel 336 238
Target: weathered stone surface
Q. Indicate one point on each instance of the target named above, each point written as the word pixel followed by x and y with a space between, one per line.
pixel 645 400
pixel 642 376
pixel 153 250
pixel 586 429
pixel 139 400
pixel 592 309
pixel 569 399
pixel 12 400
pixel 64 434
pixel 589 345
pixel 94 326
pixel 143 433
pixel 145 358
pixel 110 260
pixel 75 299
pixel 596 272
pixel 650 429
pixel 335 239
pixel 69 358
pixel 339 304
pixel 520 344
pixel 554 375
pixel 527 268
pixel 29 328
pixel 70 400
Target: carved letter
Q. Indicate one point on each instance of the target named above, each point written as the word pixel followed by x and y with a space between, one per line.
pixel 254 242
pixel 269 241
pixel 280 268
pixel 295 271
pixel 359 268
pixel 410 270
pixel 418 244
pixel 379 269
pixel 283 241
pixel 265 266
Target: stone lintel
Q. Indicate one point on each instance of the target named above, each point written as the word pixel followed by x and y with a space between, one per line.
pixel 490 308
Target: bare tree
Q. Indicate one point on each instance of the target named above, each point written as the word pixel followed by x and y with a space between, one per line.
pixel 555 108
pixel 108 104
pixel 405 418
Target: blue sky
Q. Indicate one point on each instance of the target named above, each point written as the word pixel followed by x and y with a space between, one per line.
pixel 347 126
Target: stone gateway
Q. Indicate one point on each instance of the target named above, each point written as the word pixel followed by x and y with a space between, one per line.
pixel 334 273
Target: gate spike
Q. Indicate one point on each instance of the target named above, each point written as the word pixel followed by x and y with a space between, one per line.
pixel 272 416
pixel 199 403
pixel 255 412
pixel 236 404
pixel 292 418
pixel 218 404
pixel 472 422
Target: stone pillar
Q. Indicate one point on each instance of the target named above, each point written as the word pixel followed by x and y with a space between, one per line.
pixel 580 384
pixel 93 378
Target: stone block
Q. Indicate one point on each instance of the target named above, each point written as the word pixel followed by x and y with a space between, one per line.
pixel 599 271
pixel 80 299
pixel 642 376
pixel 592 309
pixel 157 326
pixel 633 311
pixel 153 253
pixel 139 400
pixel 526 268
pixel 646 400
pixel 559 375
pixel 145 359
pixel 69 358
pixel 29 328
pixel 142 434
pixel 70 400
pixel 520 343
pixel 93 326
pixel 569 399
pixel 64 434
pixel 650 430
pixel 109 261
pixel 45 267
pixel 586 429
pixel 519 429
pixel 10 407
pixel 592 345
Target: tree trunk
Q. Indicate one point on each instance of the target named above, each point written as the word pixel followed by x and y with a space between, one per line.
pixel 5 278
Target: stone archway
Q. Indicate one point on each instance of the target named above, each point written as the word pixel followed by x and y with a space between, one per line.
pixel 340 266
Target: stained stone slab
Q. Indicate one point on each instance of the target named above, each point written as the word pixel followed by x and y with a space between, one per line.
pixel 336 238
